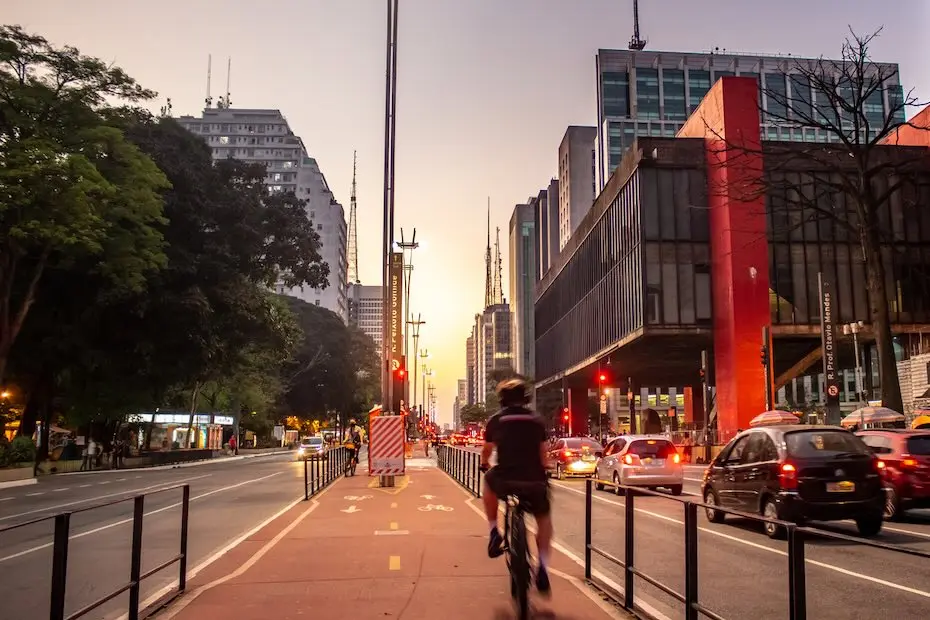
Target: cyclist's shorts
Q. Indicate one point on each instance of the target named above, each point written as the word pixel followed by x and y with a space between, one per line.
pixel 534 496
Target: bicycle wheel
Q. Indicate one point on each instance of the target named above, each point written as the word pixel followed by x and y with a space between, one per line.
pixel 354 465
pixel 519 565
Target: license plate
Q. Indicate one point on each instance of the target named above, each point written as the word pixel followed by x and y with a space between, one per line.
pixel 841 487
pixel 647 461
pixel 588 457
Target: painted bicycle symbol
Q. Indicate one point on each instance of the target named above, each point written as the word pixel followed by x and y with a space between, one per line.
pixel 432 507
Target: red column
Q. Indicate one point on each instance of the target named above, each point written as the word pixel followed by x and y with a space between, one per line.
pixel 728 121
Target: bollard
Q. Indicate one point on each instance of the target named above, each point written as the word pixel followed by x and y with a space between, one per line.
pixel 185 516
pixel 691 562
pixel 135 561
pixel 587 528
pixel 60 566
pixel 629 542
pixel 306 482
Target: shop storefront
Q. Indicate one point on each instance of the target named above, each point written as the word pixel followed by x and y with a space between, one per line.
pixel 171 430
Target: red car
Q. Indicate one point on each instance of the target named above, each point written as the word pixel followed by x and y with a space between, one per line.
pixel 906 454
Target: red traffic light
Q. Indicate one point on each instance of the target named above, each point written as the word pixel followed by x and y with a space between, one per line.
pixel 602 377
pixel 401 372
pixel 565 417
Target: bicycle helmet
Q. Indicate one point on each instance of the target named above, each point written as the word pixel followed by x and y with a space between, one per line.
pixel 513 392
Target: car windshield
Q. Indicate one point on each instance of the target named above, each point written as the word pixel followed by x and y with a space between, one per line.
pixel 919 445
pixel 583 444
pixel 311 441
pixel 814 443
pixel 653 448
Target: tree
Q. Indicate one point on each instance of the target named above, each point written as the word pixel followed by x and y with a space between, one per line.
pixel 70 185
pixel 849 182
pixel 473 414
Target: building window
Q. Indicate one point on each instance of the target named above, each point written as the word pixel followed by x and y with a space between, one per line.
pixel 647 93
pixel 224 139
pixel 776 97
pixel 673 87
pixel 615 90
pixel 698 85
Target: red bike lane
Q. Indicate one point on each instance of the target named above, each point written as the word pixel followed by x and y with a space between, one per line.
pixel 414 552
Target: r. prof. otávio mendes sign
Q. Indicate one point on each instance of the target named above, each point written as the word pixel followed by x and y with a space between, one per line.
pixel 397 308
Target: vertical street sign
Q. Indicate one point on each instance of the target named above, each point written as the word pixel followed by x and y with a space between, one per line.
pixel 396 315
pixel 828 346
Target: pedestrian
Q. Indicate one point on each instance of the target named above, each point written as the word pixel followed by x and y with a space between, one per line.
pixel 233 445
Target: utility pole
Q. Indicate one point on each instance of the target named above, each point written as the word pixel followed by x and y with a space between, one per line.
pixel 407 248
pixel 767 367
pixel 390 101
pixel 415 328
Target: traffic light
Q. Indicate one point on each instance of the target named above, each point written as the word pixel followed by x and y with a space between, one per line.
pixel 398 388
pixel 602 378
pixel 565 414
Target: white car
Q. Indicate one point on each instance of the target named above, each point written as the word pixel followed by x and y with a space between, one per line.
pixel 640 460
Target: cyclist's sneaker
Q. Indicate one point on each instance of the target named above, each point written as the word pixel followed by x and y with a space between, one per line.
pixel 495 544
pixel 542 580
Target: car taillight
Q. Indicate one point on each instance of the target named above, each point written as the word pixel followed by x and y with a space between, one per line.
pixel 788 476
pixel 630 459
pixel 568 453
pixel 676 458
pixel 908 462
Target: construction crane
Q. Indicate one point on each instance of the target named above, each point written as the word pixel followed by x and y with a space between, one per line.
pixel 635 42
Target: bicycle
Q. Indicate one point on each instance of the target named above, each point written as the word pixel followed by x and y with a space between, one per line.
pixel 352 463
pixel 518 554
pixel 516 549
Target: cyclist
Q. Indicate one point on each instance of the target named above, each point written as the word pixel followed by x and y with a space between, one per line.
pixel 519 434
pixel 353 441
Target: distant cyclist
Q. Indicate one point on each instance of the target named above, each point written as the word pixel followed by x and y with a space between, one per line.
pixel 519 434
pixel 353 441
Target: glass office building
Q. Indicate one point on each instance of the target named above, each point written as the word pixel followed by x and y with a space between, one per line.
pixel 651 94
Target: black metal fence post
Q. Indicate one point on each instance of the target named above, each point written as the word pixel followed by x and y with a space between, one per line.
pixel 60 566
pixel 587 527
pixel 797 578
pixel 135 562
pixel 185 515
pixel 628 543
pixel 691 561
pixel 306 481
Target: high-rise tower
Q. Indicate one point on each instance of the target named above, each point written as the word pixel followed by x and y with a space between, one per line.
pixel 488 287
pixel 352 249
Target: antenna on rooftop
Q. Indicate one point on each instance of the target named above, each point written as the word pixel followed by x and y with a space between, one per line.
pixel 209 98
pixel 636 43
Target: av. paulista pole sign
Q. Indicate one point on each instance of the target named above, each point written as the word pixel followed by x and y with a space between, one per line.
pixel 396 338
pixel 828 346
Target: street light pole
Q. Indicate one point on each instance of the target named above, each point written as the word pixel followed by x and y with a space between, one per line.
pixel 853 328
pixel 388 215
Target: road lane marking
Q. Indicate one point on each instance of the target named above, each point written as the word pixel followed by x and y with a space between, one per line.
pixel 35 494
pixel 392 532
pixel 56 507
pixel 61 489
pixel 393 504
pixel 763 547
pixel 83 486
pixel 129 520
pixel 105 482
pixel 394 562
pixel 6 499
pixel 650 610
pixel 180 604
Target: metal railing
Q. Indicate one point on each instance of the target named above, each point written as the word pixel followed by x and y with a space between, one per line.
pixel 61 538
pixel 321 469
pixel 463 466
pixel 797 579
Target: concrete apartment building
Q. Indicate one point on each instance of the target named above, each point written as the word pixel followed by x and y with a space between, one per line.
pixel 652 93
pixel 471 385
pixel 365 303
pixel 261 136
pixel 577 178
pixel 492 347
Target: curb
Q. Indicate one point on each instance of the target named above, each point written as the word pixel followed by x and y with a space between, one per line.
pixel 18 483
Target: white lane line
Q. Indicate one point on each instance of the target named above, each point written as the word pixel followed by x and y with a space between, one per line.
pixel 221 552
pixel 121 479
pixel 693 479
pixel 832 567
pixel 105 482
pixel 564 550
pixel 129 520
pixel 35 494
pixel 6 499
pixel 83 486
pixel 57 507
pixel 59 490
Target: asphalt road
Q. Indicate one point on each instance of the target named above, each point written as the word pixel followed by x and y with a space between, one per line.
pixel 744 574
pixel 227 500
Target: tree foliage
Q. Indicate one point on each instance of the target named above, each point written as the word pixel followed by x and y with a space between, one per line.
pixel 136 273
pixel 848 180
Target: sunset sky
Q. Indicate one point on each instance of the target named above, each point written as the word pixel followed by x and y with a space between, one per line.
pixel 486 89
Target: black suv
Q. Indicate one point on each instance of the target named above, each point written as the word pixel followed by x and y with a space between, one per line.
pixel 797 473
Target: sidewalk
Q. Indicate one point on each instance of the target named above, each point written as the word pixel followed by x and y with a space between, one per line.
pixel 413 552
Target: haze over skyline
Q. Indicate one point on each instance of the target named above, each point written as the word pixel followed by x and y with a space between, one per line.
pixel 486 89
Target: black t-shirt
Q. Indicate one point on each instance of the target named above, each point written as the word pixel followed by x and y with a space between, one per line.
pixel 517 432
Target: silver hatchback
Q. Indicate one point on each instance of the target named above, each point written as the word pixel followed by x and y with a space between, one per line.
pixel 641 460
